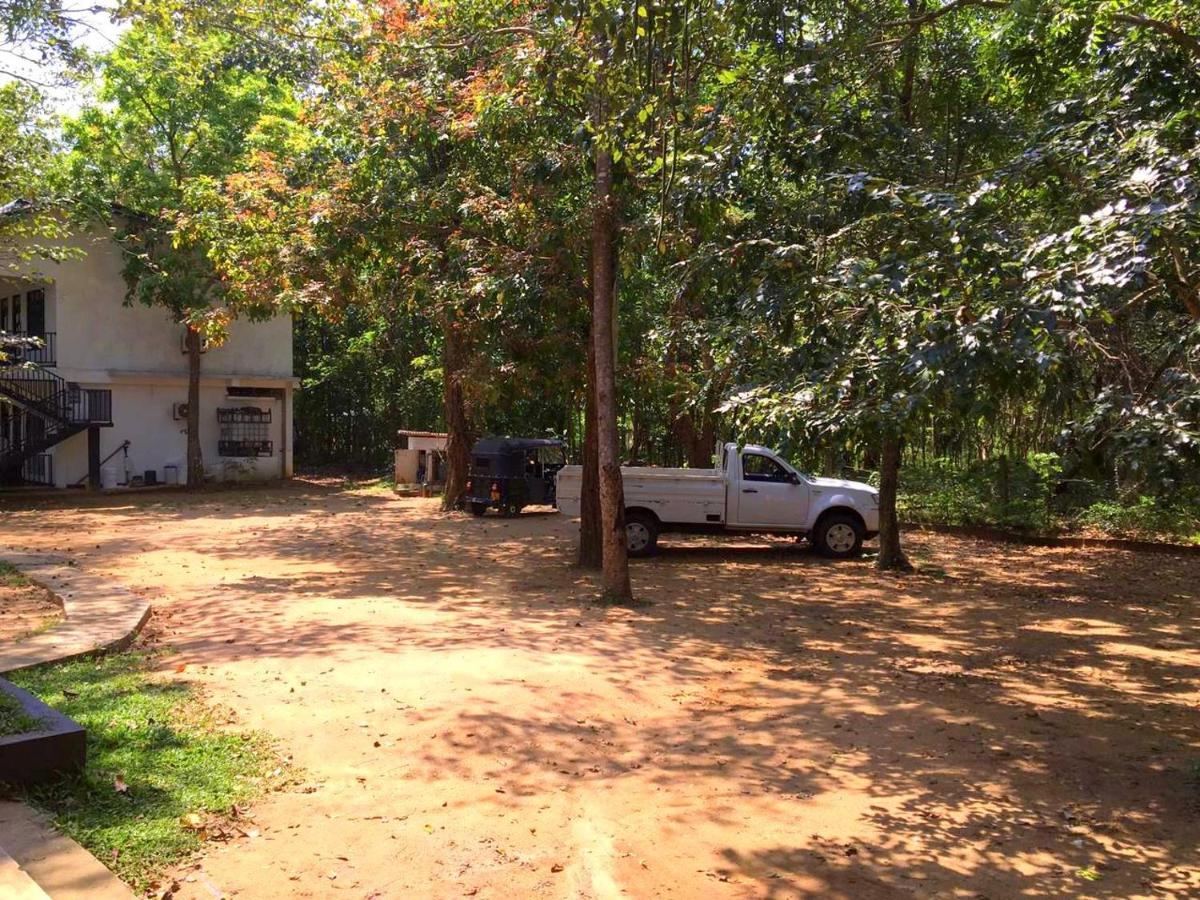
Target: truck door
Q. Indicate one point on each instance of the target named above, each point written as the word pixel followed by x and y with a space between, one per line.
pixel 768 495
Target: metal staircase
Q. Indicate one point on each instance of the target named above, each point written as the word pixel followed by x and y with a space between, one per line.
pixel 56 409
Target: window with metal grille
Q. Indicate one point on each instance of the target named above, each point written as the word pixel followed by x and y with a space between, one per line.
pixel 245 431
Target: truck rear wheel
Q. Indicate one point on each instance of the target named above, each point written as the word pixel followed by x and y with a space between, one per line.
pixel 839 536
pixel 641 534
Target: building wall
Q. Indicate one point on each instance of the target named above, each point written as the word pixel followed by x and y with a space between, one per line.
pixel 136 352
pixel 407 463
pixel 142 415
pixel 99 335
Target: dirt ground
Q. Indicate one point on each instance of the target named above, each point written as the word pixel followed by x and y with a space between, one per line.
pixel 25 608
pixel 1010 722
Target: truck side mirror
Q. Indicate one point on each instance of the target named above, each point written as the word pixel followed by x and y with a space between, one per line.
pixel 793 478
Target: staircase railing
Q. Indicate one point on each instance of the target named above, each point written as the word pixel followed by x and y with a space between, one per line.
pixel 40 349
pixel 38 469
pixel 51 396
pixel 16 453
pixel 61 408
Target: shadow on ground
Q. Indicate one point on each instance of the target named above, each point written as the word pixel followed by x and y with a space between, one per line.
pixel 1020 721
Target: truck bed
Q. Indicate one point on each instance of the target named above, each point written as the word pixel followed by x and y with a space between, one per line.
pixel 683 496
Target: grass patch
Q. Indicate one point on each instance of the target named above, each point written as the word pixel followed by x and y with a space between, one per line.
pixel 384 484
pixel 10 576
pixel 14 719
pixel 155 756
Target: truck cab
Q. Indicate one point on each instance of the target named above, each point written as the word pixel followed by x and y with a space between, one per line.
pixel 763 490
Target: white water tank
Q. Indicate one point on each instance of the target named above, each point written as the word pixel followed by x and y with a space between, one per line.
pixel 110 476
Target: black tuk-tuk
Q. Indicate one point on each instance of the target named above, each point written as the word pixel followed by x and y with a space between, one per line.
pixel 510 473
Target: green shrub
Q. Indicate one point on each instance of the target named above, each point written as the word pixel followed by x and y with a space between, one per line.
pixel 1032 495
pixel 1011 493
pixel 1145 516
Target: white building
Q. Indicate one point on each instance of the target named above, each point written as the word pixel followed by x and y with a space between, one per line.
pixel 116 375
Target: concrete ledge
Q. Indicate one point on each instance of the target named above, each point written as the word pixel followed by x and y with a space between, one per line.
pixel 57 748
pixel 99 615
pixel 59 866
pixel 15 883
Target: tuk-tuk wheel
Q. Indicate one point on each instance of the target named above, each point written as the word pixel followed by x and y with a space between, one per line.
pixel 511 511
pixel 478 509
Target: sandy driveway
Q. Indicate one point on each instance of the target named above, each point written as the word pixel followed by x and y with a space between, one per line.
pixel 1012 723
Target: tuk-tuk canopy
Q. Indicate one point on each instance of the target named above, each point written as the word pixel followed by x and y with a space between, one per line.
pixel 516 457
pixel 499 446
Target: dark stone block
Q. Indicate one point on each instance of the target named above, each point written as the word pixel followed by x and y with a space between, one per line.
pixel 58 748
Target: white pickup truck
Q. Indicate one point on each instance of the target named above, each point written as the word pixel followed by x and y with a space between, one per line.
pixel 754 491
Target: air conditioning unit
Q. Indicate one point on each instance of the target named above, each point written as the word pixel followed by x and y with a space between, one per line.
pixel 183 343
pixel 179 411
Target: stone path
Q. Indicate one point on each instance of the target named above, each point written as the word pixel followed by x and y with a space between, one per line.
pixel 98 614
pixel 36 861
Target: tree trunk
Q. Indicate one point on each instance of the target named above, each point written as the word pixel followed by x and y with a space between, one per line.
pixel 195 457
pixel 705 444
pixel 458 431
pixel 891 555
pixel 911 54
pixel 591 552
pixel 616 586
pixel 832 454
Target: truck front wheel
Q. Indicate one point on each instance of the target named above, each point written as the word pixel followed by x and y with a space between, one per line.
pixel 641 534
pixel 839 536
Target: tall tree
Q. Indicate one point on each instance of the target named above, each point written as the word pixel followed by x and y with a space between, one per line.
pixel 614 558
pixel 440 183
pixel 174 105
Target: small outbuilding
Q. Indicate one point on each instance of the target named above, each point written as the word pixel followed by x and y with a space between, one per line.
pixel 420 458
